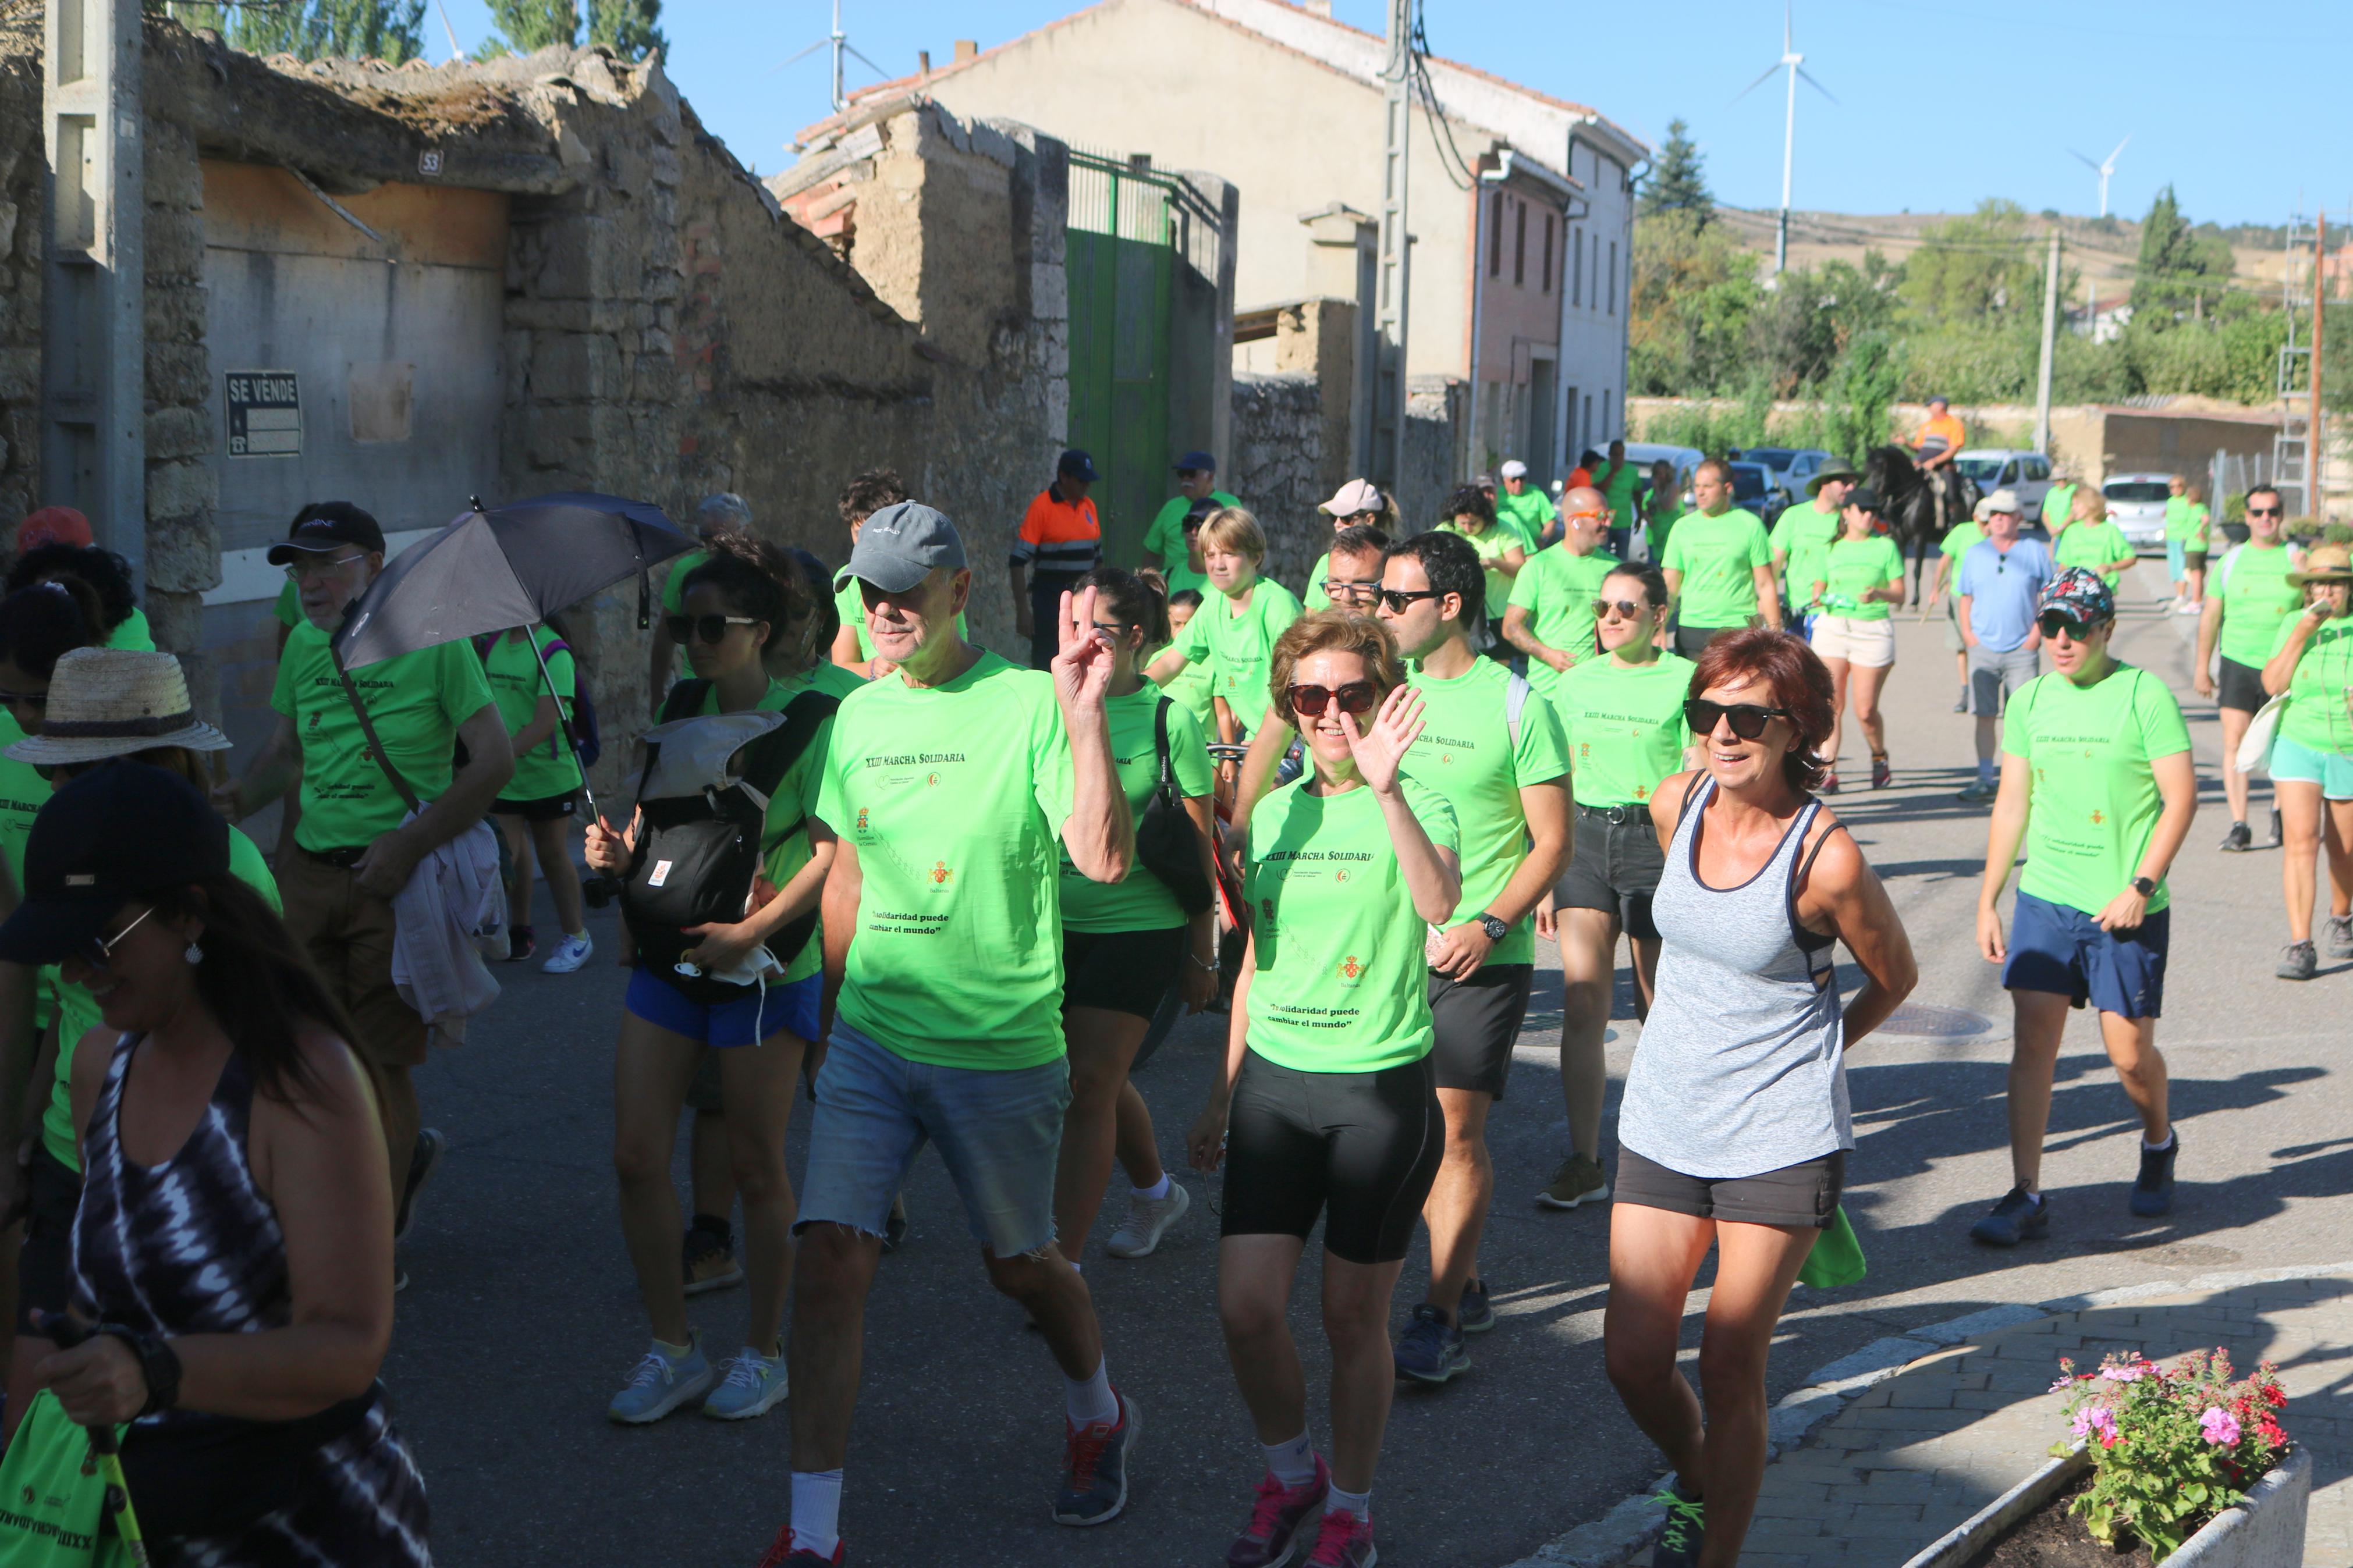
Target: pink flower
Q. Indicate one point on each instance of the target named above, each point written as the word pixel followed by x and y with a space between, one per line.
pixel 2124 1373
pixel 2062 1384
pixel 2221 1427
pixel 2096 1418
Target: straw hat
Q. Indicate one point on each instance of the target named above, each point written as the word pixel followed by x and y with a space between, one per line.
pixel 2324 564
pixel 107 702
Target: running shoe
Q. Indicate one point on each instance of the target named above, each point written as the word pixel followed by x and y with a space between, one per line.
pixel 1095 1467
pixel 2340 936
pixel 2238 841
pixel 709 1261
pixel 423 1158
pixel 1578 1181
pixel 2152 1193
pixel 1148 1219
pixel 1961 703
pixel 2020 1216
pixel 783 1553
pixel 659 1385
pixel 1472 1314
pixel 520 943
pixel 1980 791
pixel 754 1385
pixel 1881 775
pixel 1276 1514
pixel 2298 962
pixel 569 955
pixel 1432 1349
pixel 2277 837
pixel 1686 1527
pixel 1342 1540
pixel 1830 785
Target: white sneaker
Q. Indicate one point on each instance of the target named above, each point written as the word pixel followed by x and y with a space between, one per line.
pixel 752 1386
pixel 1148 1219
pixel 569 955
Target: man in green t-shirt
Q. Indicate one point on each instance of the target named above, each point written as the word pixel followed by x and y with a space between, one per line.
pixel 1522 507
pixel 1956 543
pixel 2058 502
pixel 1494 750
pixel 358 842
pixel 1164 542
pixel 723 512
pixel 2097 783
pixel 1357 504
pixel 1801 539
pixel 2250 596
pixel 1719 565
pixel 1551 614
pixel 954 787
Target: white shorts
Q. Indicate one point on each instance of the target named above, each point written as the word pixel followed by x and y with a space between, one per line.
pixel 1871 644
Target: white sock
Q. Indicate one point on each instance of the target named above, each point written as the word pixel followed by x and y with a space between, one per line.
pixel 1154 1193
pixel 1090 1401
pixel 1291 1463
pixel 816 1510
pixel 1359 1503
pixel 2158 1148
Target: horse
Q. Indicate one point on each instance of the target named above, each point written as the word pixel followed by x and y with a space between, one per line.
pixel 1917 510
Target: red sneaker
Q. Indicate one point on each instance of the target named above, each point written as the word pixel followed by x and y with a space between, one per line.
pixel 782 1553
pixel 1343 1540
pixel 1275 1517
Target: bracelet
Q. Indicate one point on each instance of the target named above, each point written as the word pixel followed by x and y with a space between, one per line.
pixel 1210 967
pixel 158 1365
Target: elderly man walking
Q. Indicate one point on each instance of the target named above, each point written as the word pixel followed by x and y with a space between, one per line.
pixel 2001 578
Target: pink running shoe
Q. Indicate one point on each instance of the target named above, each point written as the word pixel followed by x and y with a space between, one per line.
pixel 1275 1517
pixel 1343 1540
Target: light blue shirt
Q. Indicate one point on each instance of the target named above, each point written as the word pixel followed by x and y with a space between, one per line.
pixel 2004 587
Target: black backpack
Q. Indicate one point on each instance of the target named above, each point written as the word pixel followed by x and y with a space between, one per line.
pixel 697 853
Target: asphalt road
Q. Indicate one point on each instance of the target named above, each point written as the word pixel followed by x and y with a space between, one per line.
pixel 521 1318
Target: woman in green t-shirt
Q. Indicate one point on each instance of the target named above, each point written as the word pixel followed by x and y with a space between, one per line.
pixel 537 805
pixel 1861 581
pixel 1661 506
pixel 1327 1107
pixel 2312 756
pixel 1471 512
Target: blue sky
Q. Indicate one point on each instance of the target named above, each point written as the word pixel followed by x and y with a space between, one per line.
pixel 2014 85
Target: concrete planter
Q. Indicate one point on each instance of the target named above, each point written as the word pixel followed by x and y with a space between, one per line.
pixel 2265 1530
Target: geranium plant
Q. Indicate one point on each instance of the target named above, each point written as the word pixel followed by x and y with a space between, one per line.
pixel 2171 1447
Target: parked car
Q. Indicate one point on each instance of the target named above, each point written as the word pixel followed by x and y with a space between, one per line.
pixel 2004 467
pixel 1791 466
pixel 2137 505
pixel 1758 489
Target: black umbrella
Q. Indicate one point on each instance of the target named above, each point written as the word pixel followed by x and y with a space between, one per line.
pixel 511 566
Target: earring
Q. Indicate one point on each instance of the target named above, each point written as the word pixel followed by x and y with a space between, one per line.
pixel 194 953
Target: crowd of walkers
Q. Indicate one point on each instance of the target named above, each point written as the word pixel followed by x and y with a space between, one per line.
pixel 963 898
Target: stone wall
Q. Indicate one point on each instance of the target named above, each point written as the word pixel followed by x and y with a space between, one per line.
pixel 1278 435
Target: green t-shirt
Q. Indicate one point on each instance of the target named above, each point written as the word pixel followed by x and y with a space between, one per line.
pixel 1718 556
pixel 1190 692
pixel 1341 982
pixel 1239 647
pixel 1803 535
pixel 1183 577
pixel 785 830
pixel 549 768
pixel 1141 902
pixel 2198 520
pixel 1466 752
pixel 2092 544
pixel 828 676
pixel 2315 714
pixel 1493 543
pixel 955 798
pixel 1164 542
pixel 2057 502
pixel 1619 492
pixel 1848 569
pixel 77 1011
pixel 1527 514
pixel 23 793
pixel 417 702
pixel 290 605
pixel 1625 727
pixel 2179 524
pixel 1557 590
pixel 1313 598
pixel 1665 510
pixel 2257 596
pixel 2092 800
pixel 1958 541
pixel 134 635
pixel 674 586
pixel 851 606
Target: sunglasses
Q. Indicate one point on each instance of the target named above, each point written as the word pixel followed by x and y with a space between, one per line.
pixel 1356 697
pixel 1747 719
pixel 101 947
pixel 1400 600
pixel 1626 609
pixel 2053 622
pixel 2263 511
pixel 705 628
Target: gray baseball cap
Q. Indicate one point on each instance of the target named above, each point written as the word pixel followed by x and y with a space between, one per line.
pixel 899 545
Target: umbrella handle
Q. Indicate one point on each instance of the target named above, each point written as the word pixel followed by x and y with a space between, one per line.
pixel 562 719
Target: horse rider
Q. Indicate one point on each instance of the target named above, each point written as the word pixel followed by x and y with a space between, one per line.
pixel 1938 442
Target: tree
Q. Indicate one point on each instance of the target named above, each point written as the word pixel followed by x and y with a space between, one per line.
pixel 392 30
pixel 528 25
pixel 1693 293
pixel 630 29
pixel 2180 272
pixel 1976 267
pixel 1678 182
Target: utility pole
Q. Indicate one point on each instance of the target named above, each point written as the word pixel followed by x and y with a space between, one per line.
pixel 2317 443
pixel 94 300
pixel 1396 243
pixel 840 99
pixel 2049 348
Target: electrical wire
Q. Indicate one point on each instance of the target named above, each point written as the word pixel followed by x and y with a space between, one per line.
pixel 1451 160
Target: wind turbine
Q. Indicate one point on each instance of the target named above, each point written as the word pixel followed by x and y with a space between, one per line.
pixel 1795 63
pixel 841 45
pixel 2104 169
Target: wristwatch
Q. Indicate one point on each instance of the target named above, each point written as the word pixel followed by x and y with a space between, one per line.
pixel 2145 886
pixel 158 1365
pixel 1496 930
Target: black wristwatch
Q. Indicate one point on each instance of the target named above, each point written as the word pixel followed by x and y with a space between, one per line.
pixel 1496 930
pixel 2145 886
pixel 159 1364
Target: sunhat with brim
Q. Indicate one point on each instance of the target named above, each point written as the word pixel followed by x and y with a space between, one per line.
pixel 2324 564
pixel 109 702
pixel 1829 471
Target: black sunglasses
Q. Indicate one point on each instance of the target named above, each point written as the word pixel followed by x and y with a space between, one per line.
pixel 2053 622
pixel 1400 600
pixel 1747 719
pixel 1356 697
pixel 709 628
pixel 2263 511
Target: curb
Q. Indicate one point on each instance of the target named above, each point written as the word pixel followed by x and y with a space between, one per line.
pixel 1621 1535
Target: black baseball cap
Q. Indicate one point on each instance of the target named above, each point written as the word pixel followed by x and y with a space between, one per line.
pixel 121 831
pixel 1078 466
pixel 1862 498
pixel 325 526
pixel 1196 462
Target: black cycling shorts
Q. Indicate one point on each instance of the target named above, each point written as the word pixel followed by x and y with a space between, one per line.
pixel 2240 686
pixel 1615 866
pixel 1358 1149
pixel 1806 1193
pixel 546 808
pixel 1477 1020
pixel 1120 971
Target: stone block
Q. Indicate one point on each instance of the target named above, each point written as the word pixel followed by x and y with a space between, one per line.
pixel 575 366
pixel 20 374
pixel 582 258
pixel 178 432
pixel 180 489
pixel 551 436
pixel 183 553
pixel 176 312
pixel 173 181
pixel 177 619
pixel 174 243
pixel 176 372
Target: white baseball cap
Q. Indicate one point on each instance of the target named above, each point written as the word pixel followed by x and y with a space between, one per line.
pixel 1356 496
pixel 1513 469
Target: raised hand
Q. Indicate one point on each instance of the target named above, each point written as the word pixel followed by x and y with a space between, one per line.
pixel 1083 668
pixel 1380 751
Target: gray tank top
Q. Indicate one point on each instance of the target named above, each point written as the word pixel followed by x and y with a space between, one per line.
pixel 1741 1069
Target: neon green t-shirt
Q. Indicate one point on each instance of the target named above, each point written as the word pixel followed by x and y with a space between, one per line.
pixel 134 635
pixel 955 798
pixel 417 702
pixel 23 793
pixel 1341 982
pixel 1493 543
pixel 2092 800
pixel 2058 501
pixel 2094 544
pixel 549 768
pixel 1625 727
pixel 1803 535
pixel 2179 524
pixel 1959 540
pixel 1661 516
pixel 2200 519
pixel 290 605
pixel 1850 568
pixel 1238 646
pixel 784 833
pixel 1141 902
pixel 1527 514
pixel 1314 598
pixel 851 606
pixel 674 586
pixel 1183 577
pixel 1718 556
pixel 2257 596
pixel 1466 752
pixel 1619 492
pixel 1164 542
pixel 1190 689
pixel 1557 590
pixel 2315 714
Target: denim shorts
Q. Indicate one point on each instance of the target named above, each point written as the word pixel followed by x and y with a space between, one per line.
pixel 2296 763
pixel 1000 1135
pixel 2062 950
pixel 746 1020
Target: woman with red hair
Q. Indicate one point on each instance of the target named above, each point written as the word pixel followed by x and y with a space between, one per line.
pixel 1735 1128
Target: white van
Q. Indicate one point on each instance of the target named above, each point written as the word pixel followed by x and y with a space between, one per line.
pixel 2014 468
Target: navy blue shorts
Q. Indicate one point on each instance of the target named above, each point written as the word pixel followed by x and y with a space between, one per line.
pixel 2062 950
pixel 746 1020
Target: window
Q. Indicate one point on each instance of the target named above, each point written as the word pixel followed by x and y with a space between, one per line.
pixel 1547 275
pixel 2037 470
pixel 1520 243
pixel 1576 266
pixel 1495 240
pixel 1613 276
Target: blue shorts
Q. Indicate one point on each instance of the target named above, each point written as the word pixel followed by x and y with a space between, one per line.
pixel 1000 1133
pixel 758 1014
pixel 2296 763
pixel 2176 559
pixel 2062 950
